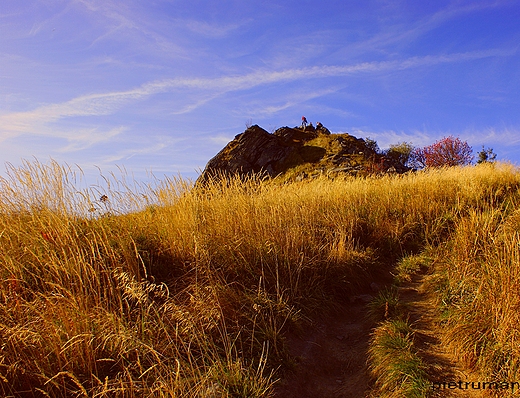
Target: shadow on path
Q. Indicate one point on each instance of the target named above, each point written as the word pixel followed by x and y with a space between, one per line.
pixel 331 356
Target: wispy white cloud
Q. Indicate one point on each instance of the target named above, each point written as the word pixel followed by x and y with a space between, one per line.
pixel 399 31
pixel 108 9
pixel 33 122
pixel 129 153
pixel 195 104
pixel 507 136
pixel 221 139
pixel 388 137
pixel 283 102
pixel 80 139
pixel 128 24
pixel 262 77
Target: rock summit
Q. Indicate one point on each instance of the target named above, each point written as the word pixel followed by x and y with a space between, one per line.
pixel 297 153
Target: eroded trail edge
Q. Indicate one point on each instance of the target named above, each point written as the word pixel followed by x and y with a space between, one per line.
pixel 442 364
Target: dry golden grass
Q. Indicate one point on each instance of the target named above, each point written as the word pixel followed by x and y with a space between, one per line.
pixel 171 291
pixel 478 286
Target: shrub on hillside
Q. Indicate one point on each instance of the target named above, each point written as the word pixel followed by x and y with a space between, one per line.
pixel 400 152
pixel 372 144
pixel 449 151
pixel 486 155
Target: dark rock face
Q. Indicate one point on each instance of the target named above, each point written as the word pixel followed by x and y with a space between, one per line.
pixel 256 151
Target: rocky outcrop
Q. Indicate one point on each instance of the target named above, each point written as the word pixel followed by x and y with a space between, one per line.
pixel 307 152
pixel 257 151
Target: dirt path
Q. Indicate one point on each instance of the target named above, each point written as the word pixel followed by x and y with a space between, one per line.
pixel 443 365
pixel 331 356
pixel 332 353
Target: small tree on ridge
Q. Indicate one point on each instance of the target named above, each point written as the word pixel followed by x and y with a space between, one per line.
pixel 449 151
pixel 400 152
pixel 486 155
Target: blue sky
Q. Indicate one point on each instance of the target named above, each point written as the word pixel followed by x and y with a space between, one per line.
pixel 162 85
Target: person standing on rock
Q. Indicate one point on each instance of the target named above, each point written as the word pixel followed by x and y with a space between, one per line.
pixel 304 122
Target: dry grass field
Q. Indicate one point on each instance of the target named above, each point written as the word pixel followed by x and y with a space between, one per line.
pixel 171 291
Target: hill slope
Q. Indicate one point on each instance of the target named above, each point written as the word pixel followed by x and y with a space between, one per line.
pixel 204 293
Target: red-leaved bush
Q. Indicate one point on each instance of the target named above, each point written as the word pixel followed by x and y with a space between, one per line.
pixel 448 151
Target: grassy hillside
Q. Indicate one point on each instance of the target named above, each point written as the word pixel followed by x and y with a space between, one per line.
pixel 191 292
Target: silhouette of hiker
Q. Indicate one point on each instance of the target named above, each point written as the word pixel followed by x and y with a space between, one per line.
pixel 304 122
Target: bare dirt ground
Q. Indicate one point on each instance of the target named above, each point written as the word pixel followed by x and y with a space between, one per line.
pixel 332 353
pixel 331 357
